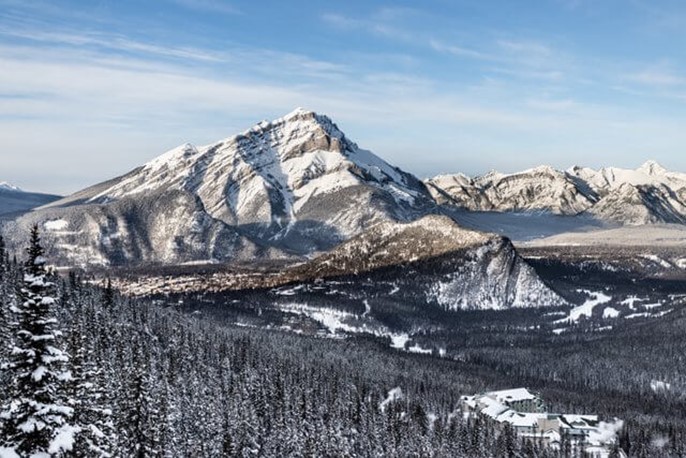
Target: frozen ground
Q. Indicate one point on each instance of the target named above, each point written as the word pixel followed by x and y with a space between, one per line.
pixel 661 235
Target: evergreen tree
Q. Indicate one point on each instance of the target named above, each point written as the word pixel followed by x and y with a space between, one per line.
pixel 4 321
pixel 108 295
pixel 35 419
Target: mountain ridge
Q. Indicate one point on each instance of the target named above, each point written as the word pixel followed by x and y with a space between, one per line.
pixel 646 195
pixel 14 200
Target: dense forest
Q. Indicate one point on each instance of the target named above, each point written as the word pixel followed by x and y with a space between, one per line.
pixel 86 372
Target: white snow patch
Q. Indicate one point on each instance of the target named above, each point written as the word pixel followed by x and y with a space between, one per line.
pixel 631 301
pixel 417 349
pixel 56 225
pixel 367 308
pixel 659 385
pixel 610 312
pixel 654 305
pixel 289 291
pixel 659 442
pixel 6 452
pixel 586 309
pixel 64 440
pixel 399 340
pixel 647 314
pixel 657 260
pixel 393 395
pixel 39 373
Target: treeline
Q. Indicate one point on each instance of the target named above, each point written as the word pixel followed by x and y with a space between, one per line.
pixel 89 373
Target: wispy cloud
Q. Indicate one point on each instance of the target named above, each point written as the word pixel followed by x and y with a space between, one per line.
pixel 470 98
pixel 210 6
pixel 106 41
pixel 459 51
pixel 377 24
pixel 658 76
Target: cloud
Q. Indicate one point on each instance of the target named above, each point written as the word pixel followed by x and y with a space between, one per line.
pixel 107 41
pixel 459 51
pixel 660 77
pixel 87 105
pixel 379 24
pixel 553 104
pixel 210 6
pixel 530 49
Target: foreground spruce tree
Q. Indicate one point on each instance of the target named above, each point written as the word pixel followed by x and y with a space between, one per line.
pixel 4 310
pixel 35 419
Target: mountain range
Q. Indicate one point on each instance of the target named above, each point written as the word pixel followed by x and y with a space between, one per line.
pixel 648 195
pixel 297 189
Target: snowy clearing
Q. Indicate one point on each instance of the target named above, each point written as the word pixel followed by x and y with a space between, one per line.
pixel 586 309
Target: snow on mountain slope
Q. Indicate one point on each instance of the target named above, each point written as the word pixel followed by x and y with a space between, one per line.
pixel 168 228
pixel 5 186
pixel 650 194
pixel 13 199
pixel 296 184
pixel 649 174
pixel 640 204
pixel 447 265
pixel 268 174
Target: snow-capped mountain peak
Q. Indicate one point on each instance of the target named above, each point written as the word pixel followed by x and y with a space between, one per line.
pixel 300 155
pixel 5 186
pixel 652 168
pixel 296 183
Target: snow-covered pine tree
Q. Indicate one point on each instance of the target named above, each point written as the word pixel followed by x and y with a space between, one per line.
pixel 87 390
pixel 4 303
pixel 35 419
pixel 4 320
pixel 3 258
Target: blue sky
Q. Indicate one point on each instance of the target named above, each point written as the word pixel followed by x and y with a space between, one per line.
pixel 92 89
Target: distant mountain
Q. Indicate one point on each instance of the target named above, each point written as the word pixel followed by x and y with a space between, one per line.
pixel 13 199
pixel 647 195
pixel 284 188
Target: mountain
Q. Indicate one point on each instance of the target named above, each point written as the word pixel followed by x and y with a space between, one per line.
pixel 434 260
pixel 650 194
pixel 541 188
pixel 289 187
pixel 13 199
